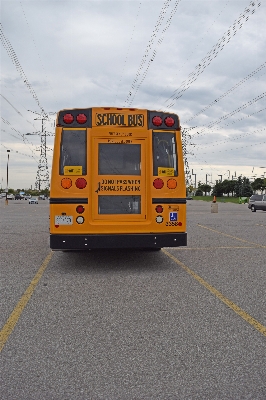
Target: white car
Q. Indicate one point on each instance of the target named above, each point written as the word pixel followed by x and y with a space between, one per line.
pixel 33 200
pixel 10 197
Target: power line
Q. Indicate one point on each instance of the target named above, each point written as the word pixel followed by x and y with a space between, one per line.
pixel 218 121
pixel 22 137
pixel 228 91
pixel 126 58
pixel 147 57
pixel 36 48
pixel 213 53
pixel 11 53
pixel 198 43
pixel 154 53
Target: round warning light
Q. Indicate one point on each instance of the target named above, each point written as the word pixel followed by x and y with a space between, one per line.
pixel 80 209
pixel 180 223
pixel 80 219
pixel 66 183
pixel 159 219
pixel 158 183
pixel 81 118
pixel 81 183
pixel 159 209
pixel 157 121
pixel 171 183
pixel 169 121
pixel 68 118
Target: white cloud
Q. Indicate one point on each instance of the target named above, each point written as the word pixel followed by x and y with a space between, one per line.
pixel 87 53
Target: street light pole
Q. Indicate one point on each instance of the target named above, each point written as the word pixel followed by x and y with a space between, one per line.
pixel 195 179
pixel 8 151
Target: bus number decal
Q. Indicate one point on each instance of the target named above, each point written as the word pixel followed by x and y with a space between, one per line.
pixel 119 119
pixel 171 223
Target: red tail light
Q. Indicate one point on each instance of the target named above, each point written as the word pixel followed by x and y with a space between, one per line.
pixel 81 183
pixel 159 209
pixel 81 118
pixel 169 121
pixel 157 121
pixel 80 209
pixel 68 118
pixel 158 183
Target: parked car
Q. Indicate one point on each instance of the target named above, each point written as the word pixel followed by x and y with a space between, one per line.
pixel 18 197
pixel 253 198
pixel 259 204
pixel 33 200
pixel 27 196
pixel 10 197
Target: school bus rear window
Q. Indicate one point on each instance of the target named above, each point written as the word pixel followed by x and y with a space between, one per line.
pixel 119 204
pixel 119 159
pixel 164 153
pixel 73 151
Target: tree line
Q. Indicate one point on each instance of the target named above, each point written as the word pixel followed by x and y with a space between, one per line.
pixel 241 187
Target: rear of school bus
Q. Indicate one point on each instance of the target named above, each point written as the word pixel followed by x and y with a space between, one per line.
pixel 117 180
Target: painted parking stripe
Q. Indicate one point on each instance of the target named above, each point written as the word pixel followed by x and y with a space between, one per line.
pixel 233 237
pixel 252 321
pixel 14 317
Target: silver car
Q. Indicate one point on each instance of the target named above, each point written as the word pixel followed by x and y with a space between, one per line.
pixel 33 200
pixel 259 204
pixel 254 198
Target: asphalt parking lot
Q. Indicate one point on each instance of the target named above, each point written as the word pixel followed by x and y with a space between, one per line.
pixel 181 323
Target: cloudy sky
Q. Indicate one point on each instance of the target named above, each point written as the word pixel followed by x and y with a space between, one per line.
pixel 204 60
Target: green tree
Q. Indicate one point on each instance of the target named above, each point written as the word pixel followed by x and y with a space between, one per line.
pixel 258 184
pixel 218 189
pixel 243 187
pixel 205 188
pixel 228 187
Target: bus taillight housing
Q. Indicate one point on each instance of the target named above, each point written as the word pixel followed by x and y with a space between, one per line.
pixel 68 118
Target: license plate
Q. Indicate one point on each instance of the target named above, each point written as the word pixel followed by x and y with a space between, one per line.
pixel 63 220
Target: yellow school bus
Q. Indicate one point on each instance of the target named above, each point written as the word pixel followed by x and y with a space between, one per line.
pixel 117 180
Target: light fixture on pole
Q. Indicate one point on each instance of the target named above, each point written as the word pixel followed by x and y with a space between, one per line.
pixel 8 151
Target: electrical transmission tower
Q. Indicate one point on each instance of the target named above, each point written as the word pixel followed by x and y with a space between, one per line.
pixel 42 177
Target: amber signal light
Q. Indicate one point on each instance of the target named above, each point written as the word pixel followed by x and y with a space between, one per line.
pixel 171 183
pixel 66 183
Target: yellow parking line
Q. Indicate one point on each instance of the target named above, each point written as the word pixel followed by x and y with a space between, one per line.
pixel 234 237
pixel 252 321
pixel 213 247
pixel 14 317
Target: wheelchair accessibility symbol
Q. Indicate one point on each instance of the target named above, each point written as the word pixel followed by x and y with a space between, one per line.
pixel 173 216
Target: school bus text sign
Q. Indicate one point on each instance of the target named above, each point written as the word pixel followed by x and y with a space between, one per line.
pixel 118 119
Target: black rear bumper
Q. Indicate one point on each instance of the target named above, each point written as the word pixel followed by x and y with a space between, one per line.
pixel 115 241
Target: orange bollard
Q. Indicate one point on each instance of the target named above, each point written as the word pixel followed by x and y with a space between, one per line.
pixel 214 199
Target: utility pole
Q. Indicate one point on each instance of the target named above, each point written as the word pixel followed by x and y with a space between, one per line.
pixel 195 179
pixel 42 176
